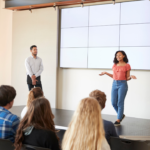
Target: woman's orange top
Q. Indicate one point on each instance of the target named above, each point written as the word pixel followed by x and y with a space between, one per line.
pixel 120 72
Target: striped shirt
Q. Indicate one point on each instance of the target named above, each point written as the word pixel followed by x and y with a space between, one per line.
pixel 8 124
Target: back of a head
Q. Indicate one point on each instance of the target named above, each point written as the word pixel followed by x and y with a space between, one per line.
pixel 99 96
pixel 33 94
pixel 39 115
pixel 7 94
pixel 85 131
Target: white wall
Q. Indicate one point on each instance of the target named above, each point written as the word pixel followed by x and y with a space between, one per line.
pixel 5 44
pixel 40 28
pixel 36 28
pixel 75 84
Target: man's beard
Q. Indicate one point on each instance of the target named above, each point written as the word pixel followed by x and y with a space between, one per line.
pixel 34 54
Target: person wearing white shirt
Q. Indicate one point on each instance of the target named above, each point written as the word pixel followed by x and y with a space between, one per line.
pixel 34 69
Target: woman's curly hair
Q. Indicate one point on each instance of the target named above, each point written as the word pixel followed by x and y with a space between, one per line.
pixel 125 59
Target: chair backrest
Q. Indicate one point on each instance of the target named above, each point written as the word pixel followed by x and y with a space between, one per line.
pixel 29 147
pixel 142 145
pixel 121 144
pixel 6 145
pixel 124 144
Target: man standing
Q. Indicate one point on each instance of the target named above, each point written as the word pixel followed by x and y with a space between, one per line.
pixel 34 68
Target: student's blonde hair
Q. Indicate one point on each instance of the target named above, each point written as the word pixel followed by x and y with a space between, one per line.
pixel 85 131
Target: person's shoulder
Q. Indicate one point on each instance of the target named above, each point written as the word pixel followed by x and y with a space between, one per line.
pixel 9 117
pixel 39 58
pixel 50 133
pixel 28 58
pixel 108 123
pixel 23 112
pixel 5 113
pixel 13 118
pixel 105 145
pixel 25 108
pixel 128 66
pixel 47 133
pixel 114 65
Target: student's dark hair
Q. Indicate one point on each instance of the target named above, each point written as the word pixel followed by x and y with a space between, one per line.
pixel 125 59
pixel 7 94
pixel 32 47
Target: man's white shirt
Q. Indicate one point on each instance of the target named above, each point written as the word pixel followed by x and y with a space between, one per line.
pixel 34 66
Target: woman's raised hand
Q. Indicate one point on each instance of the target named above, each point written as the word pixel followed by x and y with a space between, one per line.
pixel 133 77
pixel 103 73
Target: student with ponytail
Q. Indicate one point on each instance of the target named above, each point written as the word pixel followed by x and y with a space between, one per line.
pixel 33 94
pixel 37 127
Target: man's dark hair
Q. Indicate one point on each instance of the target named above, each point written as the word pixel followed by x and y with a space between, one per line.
pixel 7 94
pixel 32 47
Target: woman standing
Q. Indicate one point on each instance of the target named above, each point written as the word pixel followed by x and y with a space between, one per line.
pixel 121 74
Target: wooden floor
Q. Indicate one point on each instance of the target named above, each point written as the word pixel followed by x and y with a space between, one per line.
pixel 130 127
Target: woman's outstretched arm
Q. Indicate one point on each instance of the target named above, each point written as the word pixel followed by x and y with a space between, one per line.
pixel 130 77
pixel 103 73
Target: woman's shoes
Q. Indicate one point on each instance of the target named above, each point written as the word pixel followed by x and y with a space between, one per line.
pixel 118 123
pixel 123 117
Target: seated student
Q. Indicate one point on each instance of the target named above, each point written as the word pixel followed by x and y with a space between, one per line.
pixel 85 131
pixel 37 127
pixel 33 94
pixel 8 121
pixel 108 126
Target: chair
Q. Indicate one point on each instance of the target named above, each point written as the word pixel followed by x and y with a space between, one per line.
pixel 142 145
pixel 121 144
pixel 6 145
pixel 125 144
pixel 29 147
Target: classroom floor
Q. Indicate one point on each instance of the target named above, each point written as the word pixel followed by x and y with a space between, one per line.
pixel 131 128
